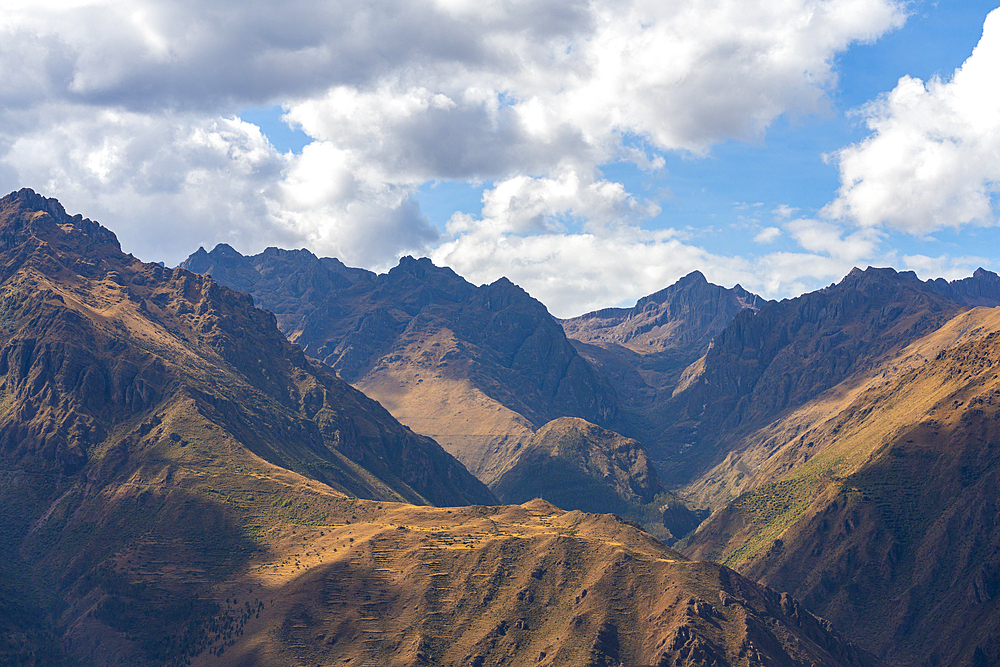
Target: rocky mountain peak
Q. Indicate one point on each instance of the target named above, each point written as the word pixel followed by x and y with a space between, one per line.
pixel 876 278
pixel 685 314
pixel 980 289
pixel 693 277
pixel 420 268
pixel 25 214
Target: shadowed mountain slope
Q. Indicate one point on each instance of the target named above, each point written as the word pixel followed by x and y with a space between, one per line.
pixel 477 368
pixel 787 353
pixel 643 351
pixel 876 502
pixel 577 465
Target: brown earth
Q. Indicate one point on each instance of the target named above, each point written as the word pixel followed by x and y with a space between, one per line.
pixel 515 585
pixel 149 408
pixel 875 503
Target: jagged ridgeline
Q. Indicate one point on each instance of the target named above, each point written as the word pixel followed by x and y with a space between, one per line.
pixel 181 485
pixel 151 409
pixel 858 430
pixel 486 370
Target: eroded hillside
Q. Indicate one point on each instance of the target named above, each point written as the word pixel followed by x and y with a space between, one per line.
pixel 875 503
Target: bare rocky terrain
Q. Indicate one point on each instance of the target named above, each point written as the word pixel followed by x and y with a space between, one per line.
pixel 182 485
pixel 482 370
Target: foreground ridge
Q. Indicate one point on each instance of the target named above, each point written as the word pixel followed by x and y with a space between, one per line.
pixel 512 585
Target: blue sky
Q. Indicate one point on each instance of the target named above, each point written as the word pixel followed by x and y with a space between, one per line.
pixel 591 152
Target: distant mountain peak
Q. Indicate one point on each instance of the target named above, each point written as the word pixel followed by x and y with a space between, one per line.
pixel 689 312
pixel 693 277
pixel 983 273
pixel 421 268
pixel 225 250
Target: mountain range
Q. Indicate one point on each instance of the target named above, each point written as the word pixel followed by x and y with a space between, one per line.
pixel 182 485
pixel 717 395
pixel 204 465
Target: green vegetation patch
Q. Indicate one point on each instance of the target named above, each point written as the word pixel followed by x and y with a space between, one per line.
pixel 768 511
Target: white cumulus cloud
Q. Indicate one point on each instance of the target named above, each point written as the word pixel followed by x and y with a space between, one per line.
pixel 931 161
pixel 128 111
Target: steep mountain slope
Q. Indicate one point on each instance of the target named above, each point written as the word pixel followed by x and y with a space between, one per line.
pixel 161 451
pixel 477 368
pixel 786 354
pixel 876 503
pixel 644 350
pixel 521 585
pixel 150 409
pixel 289 283
pixel 578 465
pixel 93 337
